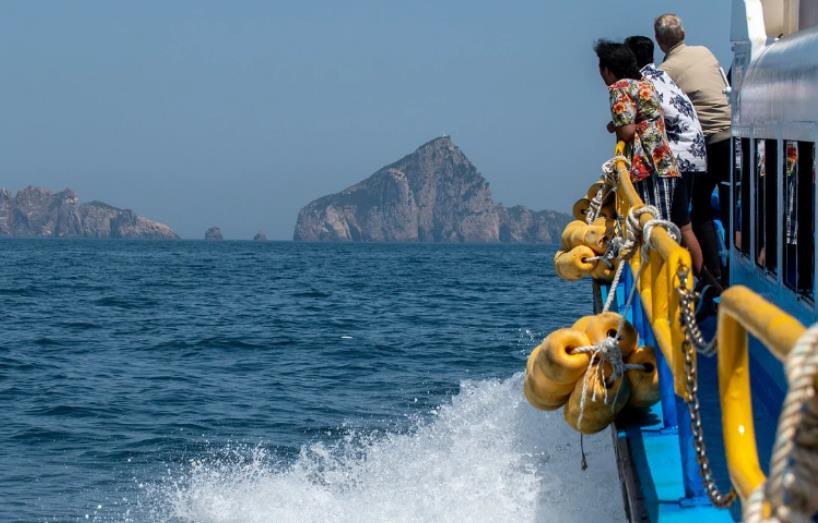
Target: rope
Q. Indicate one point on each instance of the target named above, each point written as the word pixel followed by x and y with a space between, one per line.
pixel 609 180
pixel 791 486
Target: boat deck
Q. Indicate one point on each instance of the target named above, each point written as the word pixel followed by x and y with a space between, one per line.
pixel 648 444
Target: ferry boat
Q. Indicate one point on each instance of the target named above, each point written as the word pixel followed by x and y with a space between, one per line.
pixel 728 407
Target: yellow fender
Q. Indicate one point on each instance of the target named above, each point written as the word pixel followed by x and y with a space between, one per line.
pixel 541 392
pixel 604 325
pixel 573 228
pixel 594 236
pixel 578 232
pixel 582 323
pixel 603 272
pixel 574 265
pixel 644 383
pixel 556 361
pixel 581 207
pixel 593 189
pixel 598 413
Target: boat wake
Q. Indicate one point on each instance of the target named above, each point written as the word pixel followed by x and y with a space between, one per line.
pixel 486 456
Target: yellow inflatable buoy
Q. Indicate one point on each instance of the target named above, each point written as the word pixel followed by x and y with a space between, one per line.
pixel 598 412
pixel 571 234
pixel 552 369
pixel 582 323
pixel 603 272
pixel 574 264
pixel 606 221
pixel 594 188
pixel 541 392
pixel 581 208
pixel 594 236
pixel 644 383
pixel 557 360
pixel 605 325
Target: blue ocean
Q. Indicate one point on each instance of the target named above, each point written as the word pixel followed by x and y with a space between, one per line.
pixel 277 381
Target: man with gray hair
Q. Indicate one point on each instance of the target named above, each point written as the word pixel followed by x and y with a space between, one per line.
pixel 699 75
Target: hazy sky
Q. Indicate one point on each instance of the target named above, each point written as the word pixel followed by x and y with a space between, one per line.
pixel 199 113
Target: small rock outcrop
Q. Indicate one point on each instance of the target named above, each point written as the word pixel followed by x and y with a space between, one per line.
pixel 260 237
pixel 214 233
pixel 432 195
pixel 36 212
pixel 519 224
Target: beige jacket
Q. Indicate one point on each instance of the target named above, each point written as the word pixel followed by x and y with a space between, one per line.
pixel 698 73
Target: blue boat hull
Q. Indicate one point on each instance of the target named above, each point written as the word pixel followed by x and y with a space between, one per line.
pixel 657 461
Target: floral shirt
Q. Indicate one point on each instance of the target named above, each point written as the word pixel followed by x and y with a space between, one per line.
pixel 636 102
pixel 684 132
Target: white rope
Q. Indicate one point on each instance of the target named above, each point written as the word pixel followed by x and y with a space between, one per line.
pixel 793 482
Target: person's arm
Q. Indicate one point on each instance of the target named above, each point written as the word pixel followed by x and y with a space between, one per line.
pixel 626 132
pixel 623 114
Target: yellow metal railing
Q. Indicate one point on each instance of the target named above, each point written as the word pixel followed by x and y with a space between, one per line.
pixel 658 279
pixel 742 311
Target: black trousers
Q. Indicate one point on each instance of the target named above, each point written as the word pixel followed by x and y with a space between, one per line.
pixel 718 174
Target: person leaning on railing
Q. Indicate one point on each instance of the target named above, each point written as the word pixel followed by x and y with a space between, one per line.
pixel 697 72
pixel 637 120
pixel 684 134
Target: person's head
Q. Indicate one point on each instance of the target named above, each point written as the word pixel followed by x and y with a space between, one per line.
pixel 669 31
pixel 616 61
pixel 642 48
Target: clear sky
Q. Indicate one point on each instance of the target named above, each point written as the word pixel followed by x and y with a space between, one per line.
pixel 199 113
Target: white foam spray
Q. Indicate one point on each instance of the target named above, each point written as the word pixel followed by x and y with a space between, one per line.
pixel 487 456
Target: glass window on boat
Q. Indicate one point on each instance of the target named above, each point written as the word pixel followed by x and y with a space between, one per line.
pixel 741 194
pixel 799 217
pixel 766 194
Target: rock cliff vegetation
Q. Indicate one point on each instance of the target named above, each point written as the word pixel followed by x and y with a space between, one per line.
pixel 35 212
pixel 432 195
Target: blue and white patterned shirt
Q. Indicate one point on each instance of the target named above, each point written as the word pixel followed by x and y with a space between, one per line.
pixel 684 132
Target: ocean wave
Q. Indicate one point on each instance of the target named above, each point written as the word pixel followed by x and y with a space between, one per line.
pixel 486 456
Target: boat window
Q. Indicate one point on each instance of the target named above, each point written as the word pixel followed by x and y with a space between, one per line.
pixel 799 216
pixel 741 194
pixel 766 203
pixel 806 218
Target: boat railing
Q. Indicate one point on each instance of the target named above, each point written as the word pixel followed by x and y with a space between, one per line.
pixel 743 312
pixel 658 280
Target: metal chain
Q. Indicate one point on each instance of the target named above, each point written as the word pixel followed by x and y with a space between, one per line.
pixel 717 497
pixel 694 340
pixel 687 317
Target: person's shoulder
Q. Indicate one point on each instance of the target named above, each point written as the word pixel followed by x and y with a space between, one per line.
pixel 699 52
pixel 623 84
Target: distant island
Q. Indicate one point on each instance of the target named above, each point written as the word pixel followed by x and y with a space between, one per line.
pixel 36 212
pixel 432 195
pixel 214 233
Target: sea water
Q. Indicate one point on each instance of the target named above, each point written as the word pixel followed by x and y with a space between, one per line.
pixel 277 381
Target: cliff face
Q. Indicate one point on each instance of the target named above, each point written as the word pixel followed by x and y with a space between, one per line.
pixel 521 225
pixel 214 233
pixel 37 212
pixel 434 194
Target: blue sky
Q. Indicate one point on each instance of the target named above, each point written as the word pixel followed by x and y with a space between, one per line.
pixel 199 113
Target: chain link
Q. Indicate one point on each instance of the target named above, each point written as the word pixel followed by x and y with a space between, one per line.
pixel 695 340
pixel 687 317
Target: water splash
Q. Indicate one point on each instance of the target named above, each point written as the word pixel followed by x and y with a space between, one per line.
pixel 486 456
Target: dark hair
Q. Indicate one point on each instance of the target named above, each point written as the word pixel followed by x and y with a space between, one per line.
pixel 642 48
pixel 618 58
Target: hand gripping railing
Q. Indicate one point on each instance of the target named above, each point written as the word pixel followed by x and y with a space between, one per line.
pixel 742 311
pixel 658 279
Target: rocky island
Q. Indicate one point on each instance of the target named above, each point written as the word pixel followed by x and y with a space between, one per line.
pixel 214 233
pixel 432 195
pixel 36 212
